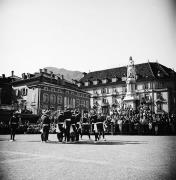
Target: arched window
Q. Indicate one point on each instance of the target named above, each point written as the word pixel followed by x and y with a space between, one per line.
pixel 52 99
pixel 59 99
pixel 45 98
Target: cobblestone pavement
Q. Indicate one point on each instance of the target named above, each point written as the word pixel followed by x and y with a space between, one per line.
pixel 120 157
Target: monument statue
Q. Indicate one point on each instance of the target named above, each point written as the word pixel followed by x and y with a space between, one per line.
pixel 131 73
pixel 130 97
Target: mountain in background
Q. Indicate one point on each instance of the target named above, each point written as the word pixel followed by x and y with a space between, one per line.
pixel 68 75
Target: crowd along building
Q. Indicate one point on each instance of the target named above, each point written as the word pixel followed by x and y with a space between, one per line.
pixel 149 84
pixel 45 90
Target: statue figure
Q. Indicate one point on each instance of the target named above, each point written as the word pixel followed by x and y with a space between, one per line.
pixel 131 69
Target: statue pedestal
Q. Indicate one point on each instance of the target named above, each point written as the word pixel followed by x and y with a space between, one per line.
pixel 130 102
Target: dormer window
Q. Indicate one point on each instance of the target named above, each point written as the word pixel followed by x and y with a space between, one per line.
pixel 79 84
pixel 95 82
pixel 104 81
pixel 114 79
pixel 86 83
pixel 160 74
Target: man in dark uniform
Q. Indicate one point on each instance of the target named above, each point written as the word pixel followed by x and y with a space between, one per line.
pixel 100 125
pixel 45 125
pixel 85 125
pixel 77 123
pixel 73 126
pixel 60 127
pixel 93 119
pixel 14 122
pixel 67 120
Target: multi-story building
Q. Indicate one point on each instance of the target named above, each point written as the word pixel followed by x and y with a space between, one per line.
pixel 155 87
pixel 45 90
pixel 7 97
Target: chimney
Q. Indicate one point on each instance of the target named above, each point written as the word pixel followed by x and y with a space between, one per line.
pixel 23 75
pixel 12 73
pixel 40 70
pixel 74 81
pixel 63 81
pixel 84 73
pixel 45 70
pixel 28 76
pixel 58 79
pixel 3 76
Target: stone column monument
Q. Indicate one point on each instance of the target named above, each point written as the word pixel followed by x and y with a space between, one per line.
pixel 130 97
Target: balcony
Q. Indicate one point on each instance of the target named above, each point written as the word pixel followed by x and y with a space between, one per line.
pixel 95 95
pixel 104 104
pixel 115 93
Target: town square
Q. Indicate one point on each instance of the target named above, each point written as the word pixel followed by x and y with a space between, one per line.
pixel 120 157
pixel 88 89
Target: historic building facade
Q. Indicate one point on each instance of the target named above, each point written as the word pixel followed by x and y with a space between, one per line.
pixel 154 86
pixel 7 97
pixel 45 90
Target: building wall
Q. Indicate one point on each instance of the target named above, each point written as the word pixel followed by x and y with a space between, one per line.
pixel 63 98
pixel 146 89
pixel 27 98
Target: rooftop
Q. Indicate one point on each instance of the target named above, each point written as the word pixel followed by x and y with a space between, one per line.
pixel 144 71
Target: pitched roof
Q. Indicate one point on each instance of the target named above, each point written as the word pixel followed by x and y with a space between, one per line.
pixel 145 71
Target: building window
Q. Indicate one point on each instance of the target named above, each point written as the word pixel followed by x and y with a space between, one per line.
pixel 103 91
pixel 95 82
pixel 65 101
pixel 82 103
pixel 78 102
pixel 52 99
pixel 146 86
pixel 59 99
pixel 52 89
pixel 159 107
pixel 147 97
pixel 45 98
pixel 104 81
pixel 107 90
pixel 86 83
pixel 114 79
pixel 73 102
pixel 87 104
pixel 104 100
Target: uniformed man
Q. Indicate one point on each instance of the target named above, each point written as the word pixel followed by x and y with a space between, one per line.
pixel 78 124
pixel 45 125
pixel 67 121
pixel 85 125
pixel 93 120
pixel 100 126
pixel 14 122
pixel 60 130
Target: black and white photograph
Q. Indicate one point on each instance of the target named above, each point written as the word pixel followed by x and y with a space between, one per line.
pixel 87 89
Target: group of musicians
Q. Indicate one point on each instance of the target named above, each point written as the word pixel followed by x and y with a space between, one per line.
pixel 71 125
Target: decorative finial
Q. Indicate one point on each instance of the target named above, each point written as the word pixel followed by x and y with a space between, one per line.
pixel 130 58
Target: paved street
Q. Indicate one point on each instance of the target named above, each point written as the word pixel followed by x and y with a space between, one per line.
pixel 120 157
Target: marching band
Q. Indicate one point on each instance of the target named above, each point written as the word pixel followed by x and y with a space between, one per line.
pixel 71 125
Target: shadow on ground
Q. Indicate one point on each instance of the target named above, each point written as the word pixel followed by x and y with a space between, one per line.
pixel 91 142
pixel 83 142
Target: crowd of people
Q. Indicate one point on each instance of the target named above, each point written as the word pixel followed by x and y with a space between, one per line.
pixel 71 125
pixel 142 123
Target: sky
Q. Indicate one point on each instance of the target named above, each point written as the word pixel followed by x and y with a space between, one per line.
pixel 85 35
